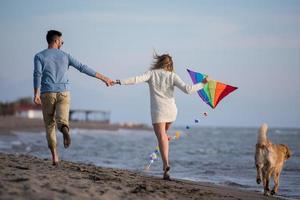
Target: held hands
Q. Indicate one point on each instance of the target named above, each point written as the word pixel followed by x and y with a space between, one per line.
pixel 110 82
pixel 106 80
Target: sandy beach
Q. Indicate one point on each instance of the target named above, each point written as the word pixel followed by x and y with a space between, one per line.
pixel 28 177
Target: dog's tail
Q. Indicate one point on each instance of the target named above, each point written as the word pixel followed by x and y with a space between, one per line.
pixel 262 134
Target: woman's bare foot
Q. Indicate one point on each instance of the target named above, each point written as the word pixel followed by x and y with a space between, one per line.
pixel 55 163
pixel 166 173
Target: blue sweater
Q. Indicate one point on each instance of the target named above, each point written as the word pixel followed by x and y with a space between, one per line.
pixel 50 70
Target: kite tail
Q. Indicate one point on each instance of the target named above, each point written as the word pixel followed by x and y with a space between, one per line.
pixel 148 167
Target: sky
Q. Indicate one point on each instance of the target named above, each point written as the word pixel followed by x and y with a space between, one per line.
pixel 254 45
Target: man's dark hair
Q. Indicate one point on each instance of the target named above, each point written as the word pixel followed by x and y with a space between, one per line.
pixel 52 34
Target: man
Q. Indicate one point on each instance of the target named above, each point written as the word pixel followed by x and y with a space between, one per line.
pixel 51 88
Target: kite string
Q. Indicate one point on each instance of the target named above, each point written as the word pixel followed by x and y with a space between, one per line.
pixel 155 154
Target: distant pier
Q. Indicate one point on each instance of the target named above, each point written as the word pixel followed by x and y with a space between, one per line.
pixel 89 115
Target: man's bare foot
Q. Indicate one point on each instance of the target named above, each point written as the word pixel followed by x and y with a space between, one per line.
pixel 54 157
pixel 66 135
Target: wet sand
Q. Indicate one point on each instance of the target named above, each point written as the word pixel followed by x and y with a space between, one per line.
pixel 29 177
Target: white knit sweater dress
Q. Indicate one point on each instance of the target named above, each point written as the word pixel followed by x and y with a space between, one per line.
pixel 161 84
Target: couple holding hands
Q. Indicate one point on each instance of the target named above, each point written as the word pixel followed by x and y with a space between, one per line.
pixel 51 91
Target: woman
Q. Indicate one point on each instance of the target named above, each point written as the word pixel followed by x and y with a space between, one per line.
pixel 161 79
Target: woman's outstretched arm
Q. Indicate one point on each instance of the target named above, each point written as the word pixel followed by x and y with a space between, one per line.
pixel 137 79
pixel 188 89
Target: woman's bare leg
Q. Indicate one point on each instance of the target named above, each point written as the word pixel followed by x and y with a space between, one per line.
pixel 163 142
pixel 168 125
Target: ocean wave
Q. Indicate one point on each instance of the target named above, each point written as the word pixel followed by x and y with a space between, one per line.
pixel 292 169
pixel 234 184
pixel 285 131
pixel 209 172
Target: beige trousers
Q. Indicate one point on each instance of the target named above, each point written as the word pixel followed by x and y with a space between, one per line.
pixel 55 108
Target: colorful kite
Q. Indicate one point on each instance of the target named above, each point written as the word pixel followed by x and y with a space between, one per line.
pixel 214 91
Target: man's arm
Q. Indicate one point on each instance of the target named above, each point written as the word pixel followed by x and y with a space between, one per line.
pixel 37 75
pixel 89 71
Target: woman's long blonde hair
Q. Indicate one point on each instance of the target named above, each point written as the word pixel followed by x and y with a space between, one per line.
pixel 163 62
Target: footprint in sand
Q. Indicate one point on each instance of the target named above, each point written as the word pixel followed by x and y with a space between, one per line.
pixel 20 179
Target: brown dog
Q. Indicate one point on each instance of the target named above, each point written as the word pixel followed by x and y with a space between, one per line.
pixel 269 160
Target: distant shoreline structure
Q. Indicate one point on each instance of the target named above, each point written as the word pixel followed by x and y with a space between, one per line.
pixel 24 107
pixel 8 124
pixel 23 115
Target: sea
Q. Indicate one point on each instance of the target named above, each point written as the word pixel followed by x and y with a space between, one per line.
pixel 218 155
